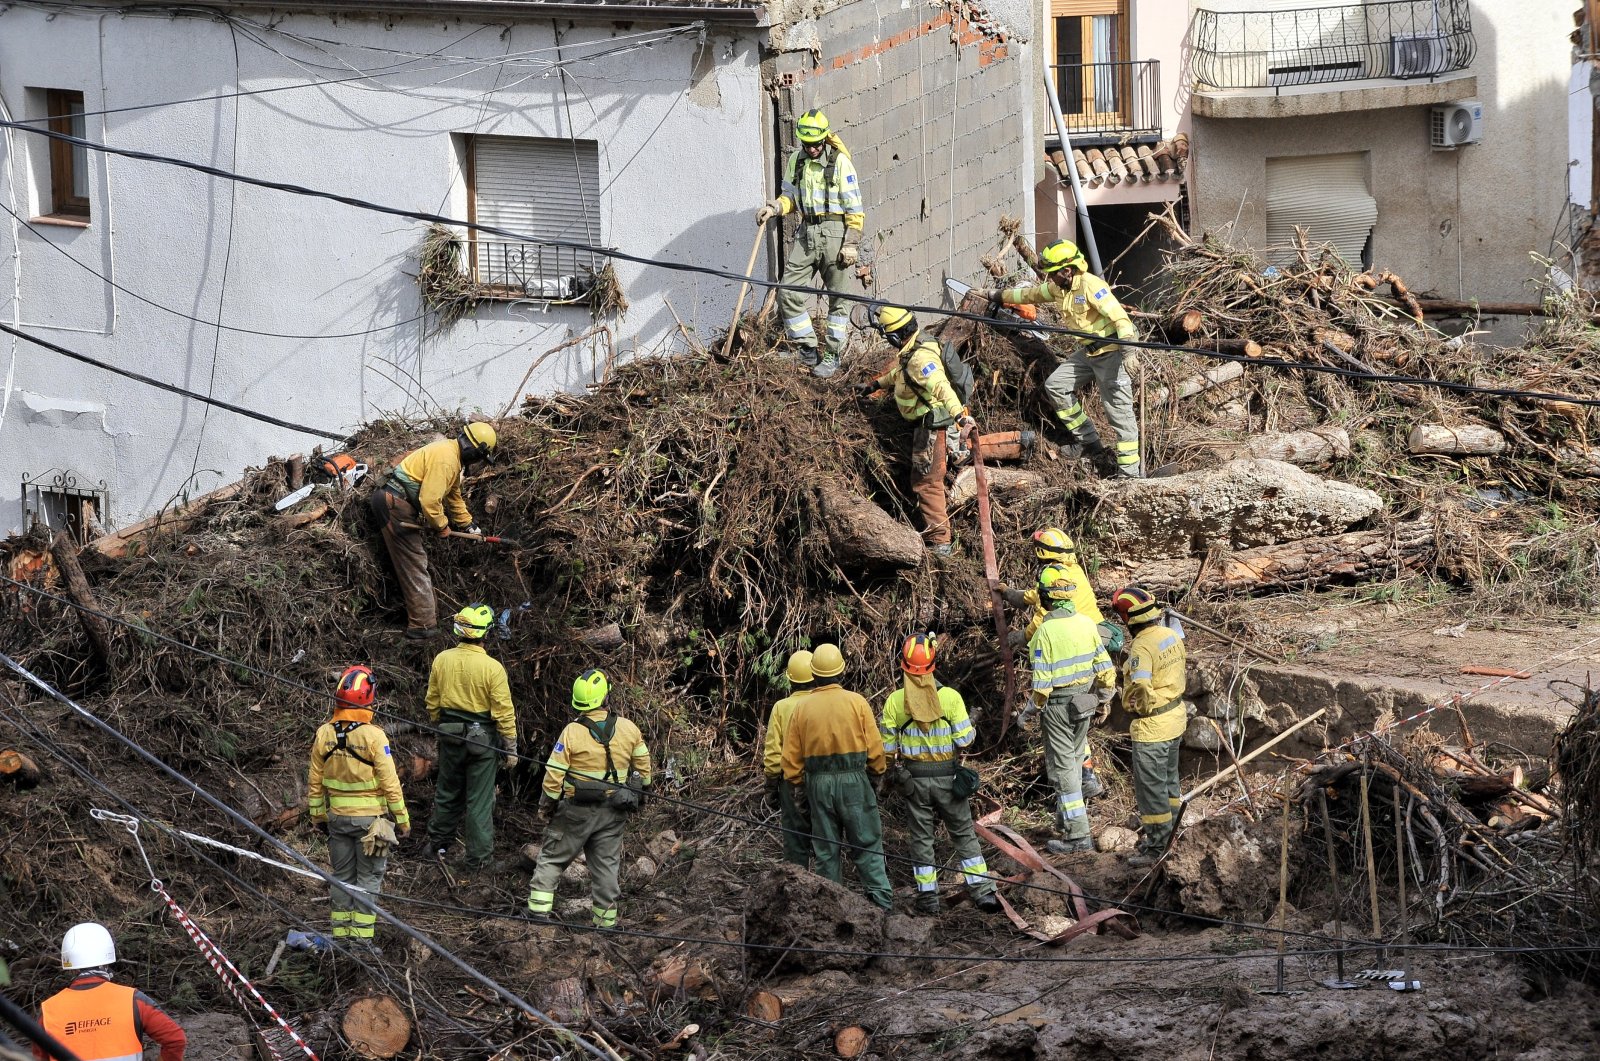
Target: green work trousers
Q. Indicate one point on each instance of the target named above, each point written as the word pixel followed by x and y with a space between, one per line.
pixel 843 805
pixel 468 756
pixel 929 801
pixel 796 830
pixel 595 831
pixel 815 251
pixel 349 865
pixel 1065 721
pixel 1155 788
pixel 1116 396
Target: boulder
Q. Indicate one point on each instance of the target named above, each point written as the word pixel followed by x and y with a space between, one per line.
pixel 788 907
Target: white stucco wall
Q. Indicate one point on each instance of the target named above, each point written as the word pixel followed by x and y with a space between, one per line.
pixel 681 167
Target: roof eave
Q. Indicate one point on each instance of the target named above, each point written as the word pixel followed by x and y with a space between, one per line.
pixel 720 14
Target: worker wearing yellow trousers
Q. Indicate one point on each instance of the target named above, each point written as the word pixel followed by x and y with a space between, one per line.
pixel 351 785
pixel 594 779
pixel 1154 677
pixel 796 834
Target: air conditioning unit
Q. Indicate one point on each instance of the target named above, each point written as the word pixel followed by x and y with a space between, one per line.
pixel 1453 124
pixel 1418 56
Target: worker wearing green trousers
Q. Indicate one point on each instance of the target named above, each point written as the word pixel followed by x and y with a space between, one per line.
pixel 464 796
pixel 843 806
pixel 595 831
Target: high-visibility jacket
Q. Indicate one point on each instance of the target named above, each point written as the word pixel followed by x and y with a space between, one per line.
pixel 466 680
pixel 352 772
pixel 1154 676
pixel 430 478
pixel 579 754
pixel 920 384
pixel 832 731
pixel 101 1021
pixel 1086 305
pixel 934 742
pixel 1067 653
pixel 1082 597
pixel 777 727
pixel 823 187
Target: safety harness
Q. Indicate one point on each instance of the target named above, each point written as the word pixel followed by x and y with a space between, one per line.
pixel 830 156
pixel 341 743
pixel 586 791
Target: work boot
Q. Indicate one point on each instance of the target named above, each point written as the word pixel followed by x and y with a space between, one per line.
pixel 808 356
pixel 1128 471
pixel 421 633
pixel 1091 784
pixel 1142 858
pixel 826 367
pixel 926 903
pixel 988 902
pixel 1069 847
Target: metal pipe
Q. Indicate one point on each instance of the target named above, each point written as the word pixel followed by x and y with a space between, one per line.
pixel 1085 229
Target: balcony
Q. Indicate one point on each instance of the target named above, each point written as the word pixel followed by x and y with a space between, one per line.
pixel 513 269
pixel 1318 60
pixel 1111 102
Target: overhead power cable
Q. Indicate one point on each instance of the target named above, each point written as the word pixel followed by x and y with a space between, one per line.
pixel 266 418
pixel 734 277
pixel 261 834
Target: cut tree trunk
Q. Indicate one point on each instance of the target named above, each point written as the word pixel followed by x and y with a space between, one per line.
pixel 1310 562
pixel 864 536
pixel 1308 449
pixel 1468 440
pixel 65 554
pixel 1002 482
pixel 18 769
pixel 376 1026
pixel 602 638
pixel 764 1006
pixel 1212 377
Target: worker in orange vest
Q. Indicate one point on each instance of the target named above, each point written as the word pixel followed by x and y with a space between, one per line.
pixel 99 1020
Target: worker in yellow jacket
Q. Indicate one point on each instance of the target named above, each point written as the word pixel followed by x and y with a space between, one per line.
pixel 351 785
pixel 469 700
pixel 819 183
pixel 595 777
pixel 1072 679
pixel 1154 677
pixel 424 490
pixel 832 756
pixel 796 839
pixel 1085 304
pixel 923 396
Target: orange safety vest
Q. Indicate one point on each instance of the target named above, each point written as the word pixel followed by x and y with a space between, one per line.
pixel 97 1023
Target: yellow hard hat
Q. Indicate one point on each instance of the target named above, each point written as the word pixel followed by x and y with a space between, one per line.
pixel 477 442
pixel 473 621
pixel 1061 254
pixel 1053 546
pixel 812 127
pixel 1056 586
pixel 589 690
pixel 827 661
pixel 799 670
pixel 893 318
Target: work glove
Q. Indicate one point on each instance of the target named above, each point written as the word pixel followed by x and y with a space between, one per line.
pixel 1104 710
pixel 770 209
pixel 320 825
pixel 1130 360
pixel 802 806
pixel 1014 598
pixel 849 254
pixel 988 294
pixel 402 831
pixel 865 387
pixel 547 808
pixel 1016 639
pixel 471 528
pixel 508 754
pixel 772 792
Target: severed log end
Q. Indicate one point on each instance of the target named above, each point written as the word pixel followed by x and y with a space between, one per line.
pixel 764 1006
pixel 851 1041
pixel 376 1026
pixel 18 769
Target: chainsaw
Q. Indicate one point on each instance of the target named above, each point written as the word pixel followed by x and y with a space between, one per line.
pixel 1013 313
pixel 342 470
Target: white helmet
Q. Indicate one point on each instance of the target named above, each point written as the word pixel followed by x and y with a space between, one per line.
pixel 87 946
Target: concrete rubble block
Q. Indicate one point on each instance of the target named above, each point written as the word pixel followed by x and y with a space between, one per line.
pixel 1202 733
pixel 788 907
pixel 1115 838
pixel 1242 504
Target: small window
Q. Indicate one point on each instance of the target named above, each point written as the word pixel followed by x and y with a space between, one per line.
pixel 59 501
pixel 543 188
pixel 69 163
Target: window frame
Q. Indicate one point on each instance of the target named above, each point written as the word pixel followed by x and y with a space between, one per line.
pixel 65 204
pixel 476 245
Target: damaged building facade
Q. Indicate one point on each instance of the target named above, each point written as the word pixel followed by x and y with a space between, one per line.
pixel 655 130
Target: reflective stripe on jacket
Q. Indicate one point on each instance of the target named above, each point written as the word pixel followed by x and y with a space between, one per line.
pixel 436 469
pixel 832 721
pixel 467 680
pixel 357 780
pixel 920 384
pixel 1155 674
pixel 1082 598
pixel 935 742
pixel 578 754
pixel 1086 306
pixel 1066 651
pixel 97 1023
pixel 806 186
pixel 777 727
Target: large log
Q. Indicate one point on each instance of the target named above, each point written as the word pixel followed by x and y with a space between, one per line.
pixel 176 520
pixel 1002 482
pixel 1468 440
pixel 1215 376
pixel 1311 562
pixel 864 536
pixel 1306 449
pixel 65 553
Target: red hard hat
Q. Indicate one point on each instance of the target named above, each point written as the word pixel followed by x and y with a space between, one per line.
pixel 916 655
pixel 355 687
pixel 1135 605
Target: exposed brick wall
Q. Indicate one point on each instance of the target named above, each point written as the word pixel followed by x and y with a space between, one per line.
pixel 933 111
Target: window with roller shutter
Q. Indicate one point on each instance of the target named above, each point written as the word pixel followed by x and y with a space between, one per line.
pixel 1328 196
pixel 542 188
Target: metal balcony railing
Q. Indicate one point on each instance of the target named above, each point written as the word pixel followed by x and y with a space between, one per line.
pixel 532 270
pixel 1120 100
pixel 1316 45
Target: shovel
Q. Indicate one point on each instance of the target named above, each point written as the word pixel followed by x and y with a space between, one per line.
pixel 487 539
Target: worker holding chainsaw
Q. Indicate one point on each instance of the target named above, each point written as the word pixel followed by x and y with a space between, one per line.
pixel 925 725
pixel 1085 304
pixel 422 495
pixel 927 397
pixel 352 784
pixel 1073 684
pixel 1154 677
pixel 820 183
pixel 796 838
pixel 469 700
pixel 594 779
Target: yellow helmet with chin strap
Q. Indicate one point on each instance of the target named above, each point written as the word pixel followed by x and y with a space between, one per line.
pixel 473 621
pixel 799 669
pixel 1053 546
pixel 896 324
pixel 477 442
pixel 812 127
pixel 1061 254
